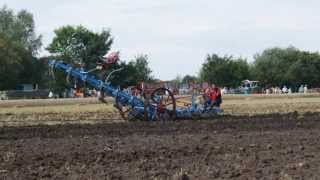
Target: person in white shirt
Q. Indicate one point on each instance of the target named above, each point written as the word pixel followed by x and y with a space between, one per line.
pixel 301 89
pixel 50 94
pixel 267 91
pixel 284 89
pixel 305 89
pixel 224 90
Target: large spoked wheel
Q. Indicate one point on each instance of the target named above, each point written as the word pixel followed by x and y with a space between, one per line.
pixel 165 103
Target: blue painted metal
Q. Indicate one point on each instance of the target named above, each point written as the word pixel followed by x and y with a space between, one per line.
pixel 126 99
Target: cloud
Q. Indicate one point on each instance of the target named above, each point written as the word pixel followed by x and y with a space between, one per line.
pixel 178 34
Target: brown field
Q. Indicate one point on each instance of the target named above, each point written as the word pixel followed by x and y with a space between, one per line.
pixel 257 137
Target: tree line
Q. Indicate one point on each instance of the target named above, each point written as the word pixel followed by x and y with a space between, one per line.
pixel 273 67
pixel 20 62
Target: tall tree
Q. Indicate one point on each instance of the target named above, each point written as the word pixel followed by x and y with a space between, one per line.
pixel 19 45
pixel 142 69
pixel 78 45
pixel 287 66
pixel 136 70
pixel 224 71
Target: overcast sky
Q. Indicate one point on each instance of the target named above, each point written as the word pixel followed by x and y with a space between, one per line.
pixel 178 34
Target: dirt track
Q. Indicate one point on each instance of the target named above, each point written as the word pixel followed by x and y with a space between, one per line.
pixel 261 147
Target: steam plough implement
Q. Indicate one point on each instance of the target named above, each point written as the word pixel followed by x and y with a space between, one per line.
pixel 146 103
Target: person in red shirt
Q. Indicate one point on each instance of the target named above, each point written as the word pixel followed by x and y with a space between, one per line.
pixel 215 97
pixel 212 97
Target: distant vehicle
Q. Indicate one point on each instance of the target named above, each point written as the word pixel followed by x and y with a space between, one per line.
pixel 249 87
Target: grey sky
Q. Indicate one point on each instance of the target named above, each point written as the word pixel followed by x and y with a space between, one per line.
pixel 178 34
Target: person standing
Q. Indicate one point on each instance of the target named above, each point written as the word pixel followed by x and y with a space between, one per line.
pixel 301 89
pixel 215 96
pixel 206 98
pixel 305 89
pixel 50 95
pixel 285 90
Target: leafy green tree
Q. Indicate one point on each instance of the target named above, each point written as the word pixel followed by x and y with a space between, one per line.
pixel 142 70
pixel 78 45
pixel 137 70
pixel 19 45
pixel 270 66
pixel 224 71
pixel 287 66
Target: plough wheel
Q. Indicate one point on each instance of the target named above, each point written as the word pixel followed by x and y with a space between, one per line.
pixel 165 103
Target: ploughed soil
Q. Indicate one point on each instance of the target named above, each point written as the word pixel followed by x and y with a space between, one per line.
pixel 256 147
